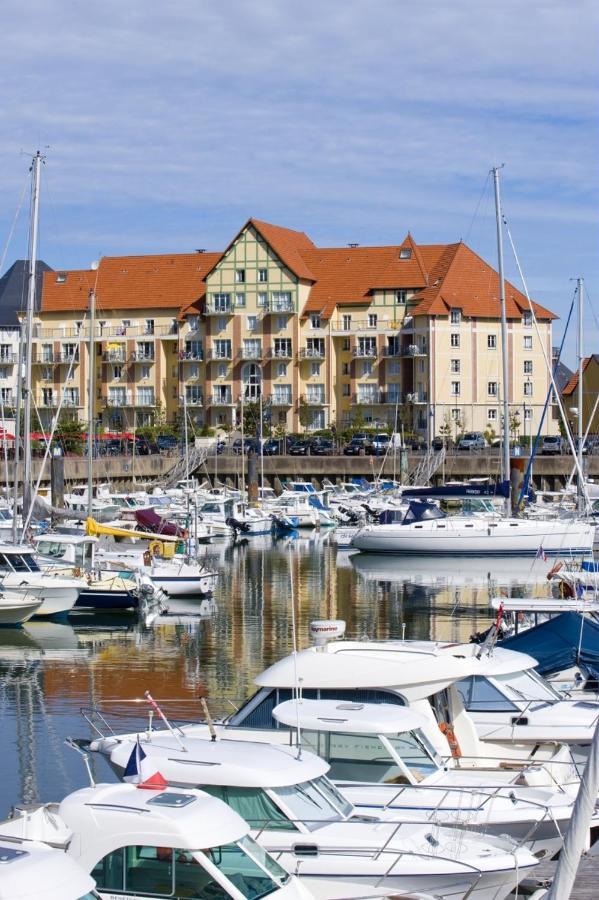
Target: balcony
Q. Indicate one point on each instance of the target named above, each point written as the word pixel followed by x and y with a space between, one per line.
pixel 281 399
pixel 194 399
pixel 219 308
pixel 117 400
pixel 52 401
pixel 145 401
pixel 7 399
pixel 8 359
pixel 364 352
pixel 315 400
pixel 68 358
pixel 281 353
pixel 250 353
pixel 279 306
pixel 312 353
pixel 383 325
pixel 406 350
pixel 192 355
pixel 219 355
pixel 417 397
pixel 114 356
pixel 222 399
pixel 142 356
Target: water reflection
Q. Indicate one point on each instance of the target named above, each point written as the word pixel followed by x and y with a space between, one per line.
pixel 49 671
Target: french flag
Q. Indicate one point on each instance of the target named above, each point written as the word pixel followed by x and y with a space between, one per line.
pixel 142 771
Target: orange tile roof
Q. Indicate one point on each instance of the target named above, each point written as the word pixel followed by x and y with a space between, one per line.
pixel 168 281
pixel 573 383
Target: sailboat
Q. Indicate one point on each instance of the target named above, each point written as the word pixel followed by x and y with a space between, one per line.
pixel 425 529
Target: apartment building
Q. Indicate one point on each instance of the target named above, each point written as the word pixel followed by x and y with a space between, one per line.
pixel 406 334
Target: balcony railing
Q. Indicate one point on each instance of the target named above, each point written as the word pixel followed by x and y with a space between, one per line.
pixel 8 359
pixel 315 400
pixel 194 400
pixel 116 400
pixel 249 353
pixel 280 353
pixel 312 353
pixel 53 401
pixel 145 401
pixel 103 332
pixel 362 352
pixel 114 356
pixel 220 355
pixel 192 355
pixel 279 306
pixel 7 400
pixel 406 350
pixel 281 399
pixel 222 399
pixel 69 358
pixel 339 327
pixel 142 357
pixel 219 309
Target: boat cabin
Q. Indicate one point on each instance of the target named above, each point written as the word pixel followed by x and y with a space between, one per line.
pixel 36 871
pixel 70 549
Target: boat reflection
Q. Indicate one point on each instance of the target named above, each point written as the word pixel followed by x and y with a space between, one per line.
pixel 435 571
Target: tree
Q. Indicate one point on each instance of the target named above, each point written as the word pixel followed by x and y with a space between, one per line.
pixel 445 428
pixel 357 417
pixel 305 413
pixel 251 418
pixel 514 423
pixel 69 434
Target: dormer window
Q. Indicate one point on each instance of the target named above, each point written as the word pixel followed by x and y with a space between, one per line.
pixel 527 318
pixel 61 277
pixel 405 253
pixel 456 316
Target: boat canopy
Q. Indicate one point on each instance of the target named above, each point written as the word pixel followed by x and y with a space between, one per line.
pixel 419 511
pixel 467 489
pixel 564 641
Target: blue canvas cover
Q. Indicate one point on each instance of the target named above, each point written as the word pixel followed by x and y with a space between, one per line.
pixel 555 644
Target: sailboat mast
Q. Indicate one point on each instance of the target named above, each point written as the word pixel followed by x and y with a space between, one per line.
pixel 91 402
pixel 580 392
pixel 505 454
pixel 36 168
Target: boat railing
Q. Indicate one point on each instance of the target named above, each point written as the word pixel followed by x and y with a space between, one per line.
pixel 518 765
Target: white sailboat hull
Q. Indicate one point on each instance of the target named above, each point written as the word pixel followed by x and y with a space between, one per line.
pixel 477 537
pixel 15 611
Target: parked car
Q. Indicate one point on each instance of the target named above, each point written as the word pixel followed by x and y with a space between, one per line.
pixel 272 447
pixel 355 447
pixel 551 445
pixel 439 442
pixel 472 440
pixel 167 442
pixel 378 445
pixel 250 445
pixel 299 448
pixel 322 447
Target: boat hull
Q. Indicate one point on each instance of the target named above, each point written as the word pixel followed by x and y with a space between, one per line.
pixel 185 585
pixel 106 600
pixel 18 612
pixel 509 537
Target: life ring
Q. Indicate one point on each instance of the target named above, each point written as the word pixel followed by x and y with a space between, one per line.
pixel 155 548
pixel 447 729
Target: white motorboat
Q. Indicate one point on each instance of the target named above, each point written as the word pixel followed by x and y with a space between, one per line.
pixel 17 607
pixel 32 870
pixel 300 817
pixel 56 592
pixel 422 675
pixel 153 843
pixel 227 516
pixel 383 763
pixel 426 530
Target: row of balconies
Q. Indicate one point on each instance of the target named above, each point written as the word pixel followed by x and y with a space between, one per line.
pixel 383 398
pixel 104 331
pixel 274 307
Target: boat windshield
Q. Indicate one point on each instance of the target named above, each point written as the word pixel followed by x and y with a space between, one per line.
pixel 527 686
pixel 314 803
pixel 18 562
pixel 211 508
pixel 416 753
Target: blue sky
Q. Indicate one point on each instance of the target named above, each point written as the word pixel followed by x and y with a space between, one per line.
pixel 168 125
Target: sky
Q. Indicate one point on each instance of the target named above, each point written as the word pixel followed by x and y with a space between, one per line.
pixel 165 126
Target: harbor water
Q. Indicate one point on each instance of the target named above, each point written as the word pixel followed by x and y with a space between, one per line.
pixel 54 672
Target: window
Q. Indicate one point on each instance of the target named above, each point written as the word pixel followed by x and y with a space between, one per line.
pixel 455 339
pixel 528 388
pixel 315 347
pixel 46 374
pixel 492 342
pixel 528 366
pixel 281 301
pixel 193 322
pixel 145 396
pixel 262 299
pixel 222 349
pixel 61 277
pixel 367 367
pixel 281 323
pixel 222 370
pixel 405 253
pixel 455 365
pixel 346 390
pixel 372 320
pixel 263 275
pixel 479 695
pixel 252 348
pixel 455 316
pixel 117 372
pixel 394 367
pixel 527 318
pixel 145 350
pixel 193 350
pixel 315 321
pixel 528 341
pixel 281 370
pixel 492 388
pixel 315 393
pixel 240 276
pixel 282 394
pixel 221 324
pixel 345 369
pixel 455 388
pixel 240 301
pixel 282 348
pixel 252 323
pixel 455 415
pixel 47 353
pixel 149 326
pixel 492 415
pixel 221 302
pixel 366 346
pixel 346 344
pixel 3 372
pixel 527 413
pixel 145 371
pixel 314 368
pixel 368 393
pixel 401 296
pixel 346 323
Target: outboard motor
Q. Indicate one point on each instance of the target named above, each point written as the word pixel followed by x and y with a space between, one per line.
pixel 237 526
